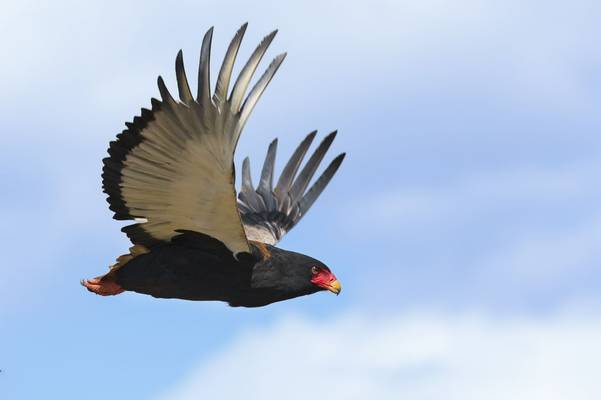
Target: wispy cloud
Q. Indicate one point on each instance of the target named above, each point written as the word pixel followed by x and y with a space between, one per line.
pixel 518 237
pixel 474 196
pixel 379 47
pixel 537 257
pixel 410 356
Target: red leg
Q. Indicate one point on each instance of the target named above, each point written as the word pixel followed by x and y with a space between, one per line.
pixel 102 286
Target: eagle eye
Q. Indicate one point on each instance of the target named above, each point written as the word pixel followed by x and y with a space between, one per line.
pixel 314 270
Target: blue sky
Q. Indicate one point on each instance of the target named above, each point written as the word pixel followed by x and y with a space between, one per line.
pixel 464 224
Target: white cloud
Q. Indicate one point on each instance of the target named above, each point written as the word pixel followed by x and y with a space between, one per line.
pixel 512 47
pixel 469 197
pixel 411 356
pixel 540 257
pixel 524 236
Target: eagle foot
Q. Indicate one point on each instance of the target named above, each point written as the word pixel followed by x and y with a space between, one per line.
pixel 102 285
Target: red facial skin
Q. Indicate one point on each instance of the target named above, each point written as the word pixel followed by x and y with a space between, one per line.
pixel 322 278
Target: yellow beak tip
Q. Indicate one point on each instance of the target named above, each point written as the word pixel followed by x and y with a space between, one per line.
pixel 335 287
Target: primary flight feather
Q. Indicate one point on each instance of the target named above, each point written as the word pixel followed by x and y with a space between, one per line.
pixel 172 173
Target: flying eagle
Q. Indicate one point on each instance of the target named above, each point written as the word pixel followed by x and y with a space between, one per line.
pixel 172 173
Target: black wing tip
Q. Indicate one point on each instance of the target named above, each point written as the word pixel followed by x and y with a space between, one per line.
pixel 328 139
pixel 281 56
pixel 179 61
pixel 207 38
pixel 310 136
pixel 339 158
pixel 161 84
pixel 114 163
pixel 268 39
pixel 241 31
pixel 335 164
pixel 163 91
pixel 278 60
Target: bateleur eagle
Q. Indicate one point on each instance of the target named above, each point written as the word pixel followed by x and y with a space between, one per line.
pixel 172 172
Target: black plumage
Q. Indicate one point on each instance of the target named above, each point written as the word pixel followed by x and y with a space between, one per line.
pixel 196 267
pixel 171 171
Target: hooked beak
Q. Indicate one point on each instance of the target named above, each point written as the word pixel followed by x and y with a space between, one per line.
pixel 334 287
pixel 327 281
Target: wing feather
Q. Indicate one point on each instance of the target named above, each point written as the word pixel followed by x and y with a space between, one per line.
pixel 172 168
pixel 305 176
pixel 185 95
pixel 204 79
pixel 312 194
pixel 248 70
pixel 266 184
pixel 225 73
pixel 268 213
pixel 292 165
pixel 259 88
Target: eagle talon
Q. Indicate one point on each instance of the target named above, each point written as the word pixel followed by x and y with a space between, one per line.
pixel 102 287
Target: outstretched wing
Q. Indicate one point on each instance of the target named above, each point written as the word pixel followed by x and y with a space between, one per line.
pixel 172 168
pixel 268 212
